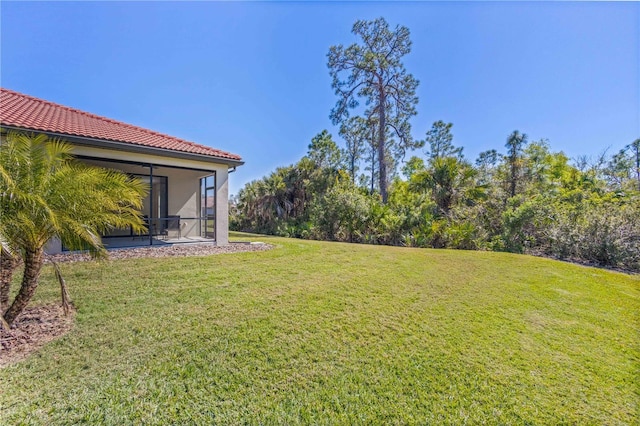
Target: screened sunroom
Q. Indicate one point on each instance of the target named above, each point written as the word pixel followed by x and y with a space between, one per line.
pixel 181 205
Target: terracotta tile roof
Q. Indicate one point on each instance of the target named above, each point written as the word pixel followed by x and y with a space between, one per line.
pixel 23 111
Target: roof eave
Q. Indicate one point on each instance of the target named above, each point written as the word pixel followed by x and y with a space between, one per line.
pixel 130 147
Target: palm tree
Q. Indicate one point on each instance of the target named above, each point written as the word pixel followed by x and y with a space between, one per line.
pixel 515 143
pixel 451 181
pixel 8 264
pixel 45 194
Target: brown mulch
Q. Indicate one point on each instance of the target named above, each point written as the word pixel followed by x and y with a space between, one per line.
pixel 39 325
pixel 178 250
pixel 33 328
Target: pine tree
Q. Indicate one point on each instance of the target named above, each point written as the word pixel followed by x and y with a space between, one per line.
pixel 372 70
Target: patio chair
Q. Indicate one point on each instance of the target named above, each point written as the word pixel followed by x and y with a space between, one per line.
pixel 173 226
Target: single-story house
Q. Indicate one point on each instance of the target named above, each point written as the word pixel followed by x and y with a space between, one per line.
pixel 188 182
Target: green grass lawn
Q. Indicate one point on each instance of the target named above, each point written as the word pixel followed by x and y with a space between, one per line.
pixel 328 333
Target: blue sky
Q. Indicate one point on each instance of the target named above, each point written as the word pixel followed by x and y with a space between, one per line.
pixel 251 77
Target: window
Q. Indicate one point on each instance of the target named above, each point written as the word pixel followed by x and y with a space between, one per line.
pixel 208 206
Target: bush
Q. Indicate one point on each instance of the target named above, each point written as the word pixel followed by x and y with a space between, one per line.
pixel 340 214
pixel 607 234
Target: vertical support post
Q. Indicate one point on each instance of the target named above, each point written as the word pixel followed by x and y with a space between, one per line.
pixel 222 207
pixel 151 210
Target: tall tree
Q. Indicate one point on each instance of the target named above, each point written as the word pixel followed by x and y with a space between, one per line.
pixel 325 158
pixel 413 166
pixel 440 141
pixel 323 151
pixel 624 167
pixel 515 144
pixel 373 71
pixel 355 133
pixel 634 147
pixel 372 154
pixel 486 164
pixel 44 194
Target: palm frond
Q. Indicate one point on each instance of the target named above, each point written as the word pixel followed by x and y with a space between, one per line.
pixel 44 194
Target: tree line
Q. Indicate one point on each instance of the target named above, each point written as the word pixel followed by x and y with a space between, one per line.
pixel 525 199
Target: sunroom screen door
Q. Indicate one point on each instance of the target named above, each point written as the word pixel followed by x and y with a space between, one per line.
pixel 208 206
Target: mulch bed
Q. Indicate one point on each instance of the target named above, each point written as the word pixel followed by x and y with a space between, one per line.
pixel 39 325
pixel 33 328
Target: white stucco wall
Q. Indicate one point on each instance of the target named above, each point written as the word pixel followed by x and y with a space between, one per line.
pixel 222 207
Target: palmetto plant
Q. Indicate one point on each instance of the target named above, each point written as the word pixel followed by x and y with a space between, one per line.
pixel 45 194
pixel 451 181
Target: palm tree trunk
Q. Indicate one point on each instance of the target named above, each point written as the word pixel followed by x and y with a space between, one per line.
pixel 33 261
pixel 8 265
pixel 514 177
